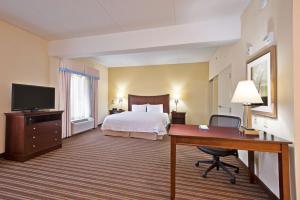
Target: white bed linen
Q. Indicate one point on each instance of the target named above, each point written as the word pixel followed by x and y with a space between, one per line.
pixel 137 122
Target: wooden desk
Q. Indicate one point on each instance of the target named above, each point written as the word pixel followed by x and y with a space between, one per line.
pixel 233 139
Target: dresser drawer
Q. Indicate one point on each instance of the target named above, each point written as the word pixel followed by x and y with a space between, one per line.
pixel 40 136
pixel 178 117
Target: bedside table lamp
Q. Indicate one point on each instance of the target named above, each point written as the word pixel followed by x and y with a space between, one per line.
pixel 247 94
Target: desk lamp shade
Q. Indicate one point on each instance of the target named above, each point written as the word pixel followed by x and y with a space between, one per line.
pixel 247 94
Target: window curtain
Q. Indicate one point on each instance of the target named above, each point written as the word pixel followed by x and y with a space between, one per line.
pixel 64 102
pixel 95 101
pixel 65 74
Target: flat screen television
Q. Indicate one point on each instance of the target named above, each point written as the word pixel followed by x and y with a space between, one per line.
pixel 31 97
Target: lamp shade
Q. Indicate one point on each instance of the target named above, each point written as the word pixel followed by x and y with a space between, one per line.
pixel 246 93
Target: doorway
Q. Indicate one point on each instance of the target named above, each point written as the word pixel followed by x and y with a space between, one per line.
pixel 225 92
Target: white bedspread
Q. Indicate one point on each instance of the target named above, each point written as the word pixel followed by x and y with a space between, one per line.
pixel 137 122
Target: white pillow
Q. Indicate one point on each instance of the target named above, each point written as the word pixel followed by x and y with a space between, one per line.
pixel 138 108
pixel 155 108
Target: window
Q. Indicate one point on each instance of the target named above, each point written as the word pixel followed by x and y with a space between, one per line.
pixel 80 97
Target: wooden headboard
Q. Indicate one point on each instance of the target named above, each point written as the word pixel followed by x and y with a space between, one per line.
pixel 161 99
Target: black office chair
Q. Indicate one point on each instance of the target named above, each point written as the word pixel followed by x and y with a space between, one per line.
pixel 221 121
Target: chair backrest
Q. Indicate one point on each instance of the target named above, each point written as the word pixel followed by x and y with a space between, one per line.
pixel 225 121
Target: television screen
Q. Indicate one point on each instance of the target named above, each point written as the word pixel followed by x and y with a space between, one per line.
pixel 30 97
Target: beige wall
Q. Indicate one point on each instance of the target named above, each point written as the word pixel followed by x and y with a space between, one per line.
pixel 296 42
pixel 54 64
pixel 189 81
pixel 24 59
pixel 256 23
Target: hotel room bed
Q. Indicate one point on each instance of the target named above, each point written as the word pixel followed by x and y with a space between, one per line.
pixel 146 125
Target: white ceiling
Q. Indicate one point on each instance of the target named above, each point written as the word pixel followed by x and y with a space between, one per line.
pixel 60 19
pixel 176 55
pixel 63 19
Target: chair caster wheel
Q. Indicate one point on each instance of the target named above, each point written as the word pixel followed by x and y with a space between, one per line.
pixel 237 171
pixel 232 181
pixel 197 164
pixel 204 175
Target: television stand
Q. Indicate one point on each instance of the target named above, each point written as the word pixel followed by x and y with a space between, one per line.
pixel 29 134
pixel 34 111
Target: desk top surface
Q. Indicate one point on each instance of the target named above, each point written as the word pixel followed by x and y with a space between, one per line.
pixel 194 131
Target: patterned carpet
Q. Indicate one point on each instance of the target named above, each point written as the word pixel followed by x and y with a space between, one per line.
pixel 93 166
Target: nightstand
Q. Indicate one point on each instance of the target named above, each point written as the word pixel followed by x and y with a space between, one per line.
pixel 115 111
pixel 178 117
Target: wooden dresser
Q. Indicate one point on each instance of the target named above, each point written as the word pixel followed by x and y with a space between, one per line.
pixel 29 134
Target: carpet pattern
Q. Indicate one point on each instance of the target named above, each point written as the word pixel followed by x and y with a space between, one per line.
pixel 93 166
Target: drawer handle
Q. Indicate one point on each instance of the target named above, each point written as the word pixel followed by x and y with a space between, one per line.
pixel 55 139
pixel 33 137
pixel 34 128
pixel 33 146
pixel 55 131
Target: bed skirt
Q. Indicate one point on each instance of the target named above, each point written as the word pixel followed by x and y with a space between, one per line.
pixel 147 136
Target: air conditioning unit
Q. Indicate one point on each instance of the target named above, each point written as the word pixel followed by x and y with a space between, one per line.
pixel 79 126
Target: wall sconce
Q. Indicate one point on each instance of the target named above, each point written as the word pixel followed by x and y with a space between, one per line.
pixel 120 99
pixel 176 102
pixel 112 102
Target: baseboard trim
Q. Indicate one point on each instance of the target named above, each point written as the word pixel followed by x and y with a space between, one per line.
pixel 261 183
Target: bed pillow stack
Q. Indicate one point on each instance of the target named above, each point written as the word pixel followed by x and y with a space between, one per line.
pixel 139 108
pixel 158 108
pixel 155 108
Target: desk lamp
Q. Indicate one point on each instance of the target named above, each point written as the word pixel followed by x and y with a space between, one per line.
pixel 247 94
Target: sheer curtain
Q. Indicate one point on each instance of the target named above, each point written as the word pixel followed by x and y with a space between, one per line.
pixel 78 94
pixel 95 101
pixel 80 97
pixel 64 102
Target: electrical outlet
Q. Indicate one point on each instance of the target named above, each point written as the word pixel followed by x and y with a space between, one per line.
pixel 255 121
